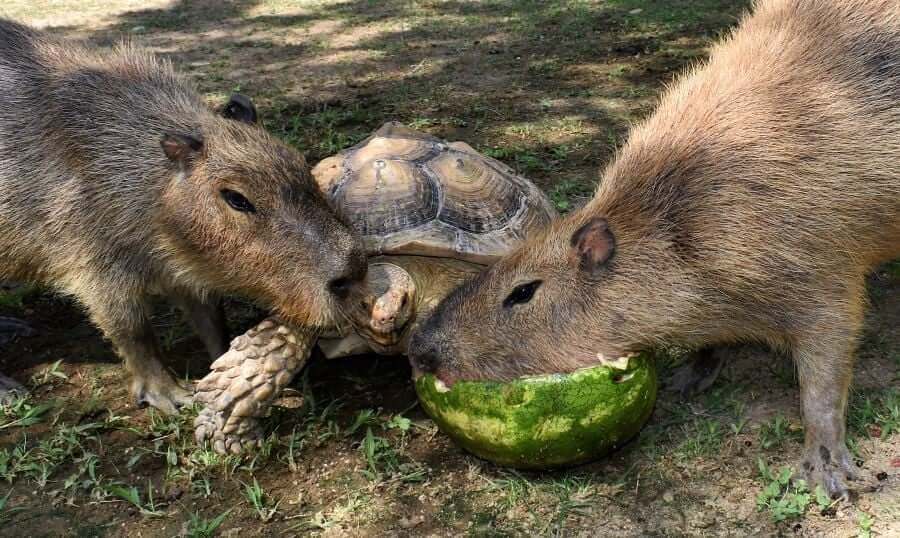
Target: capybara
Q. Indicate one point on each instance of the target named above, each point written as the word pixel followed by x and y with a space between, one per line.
pixel 749 207
pixel 117 182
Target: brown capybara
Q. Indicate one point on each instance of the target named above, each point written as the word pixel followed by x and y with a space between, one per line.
pixel 117 182
pixel 749 207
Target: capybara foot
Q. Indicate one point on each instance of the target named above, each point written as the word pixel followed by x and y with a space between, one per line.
pixel 829 466
pixel 10 389
pixel 163 393
pixel 246 380
pixel 697 375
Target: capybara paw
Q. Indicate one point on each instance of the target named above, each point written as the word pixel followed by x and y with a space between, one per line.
pixel 10 389
pixel 829 467
pixel 164 394
pixel 210 425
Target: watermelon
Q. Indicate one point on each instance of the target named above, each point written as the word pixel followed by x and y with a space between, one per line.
pixel 546 421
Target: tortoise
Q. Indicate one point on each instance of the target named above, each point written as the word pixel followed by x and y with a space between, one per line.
pixel 431 214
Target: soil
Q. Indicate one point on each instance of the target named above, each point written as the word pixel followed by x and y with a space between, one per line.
pixel 549 87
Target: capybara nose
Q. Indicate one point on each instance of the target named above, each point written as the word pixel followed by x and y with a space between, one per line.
pixel 424 360
pixel 353 275
pixel 425 352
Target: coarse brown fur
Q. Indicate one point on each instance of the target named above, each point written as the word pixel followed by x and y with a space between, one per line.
pixel 113 182
pixel 749 207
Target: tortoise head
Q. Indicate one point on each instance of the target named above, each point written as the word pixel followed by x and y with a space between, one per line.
pixel 384 318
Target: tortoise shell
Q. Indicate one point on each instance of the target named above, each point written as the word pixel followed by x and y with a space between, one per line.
pixel 407 192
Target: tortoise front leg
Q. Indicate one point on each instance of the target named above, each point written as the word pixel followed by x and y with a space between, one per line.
pixel 246 380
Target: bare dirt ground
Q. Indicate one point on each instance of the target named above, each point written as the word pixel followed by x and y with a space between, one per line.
pixel 548 87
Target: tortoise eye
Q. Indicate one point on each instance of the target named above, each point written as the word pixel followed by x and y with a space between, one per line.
pixel 521 294
pixel 237 201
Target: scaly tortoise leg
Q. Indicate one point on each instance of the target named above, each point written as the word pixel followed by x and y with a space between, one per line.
pixel 244 382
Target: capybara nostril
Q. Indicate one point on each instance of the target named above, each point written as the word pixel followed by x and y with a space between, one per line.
pixel 354 275
pixel 340 287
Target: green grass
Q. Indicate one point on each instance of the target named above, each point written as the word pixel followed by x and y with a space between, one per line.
pixel 875 414
pixel 200 527
pixel 23 412
pixel 776 432
pixel 132 495
pixel 262 504
pixel 785 498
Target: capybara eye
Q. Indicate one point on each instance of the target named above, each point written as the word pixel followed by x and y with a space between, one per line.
pixel 521 294
pixel 237 201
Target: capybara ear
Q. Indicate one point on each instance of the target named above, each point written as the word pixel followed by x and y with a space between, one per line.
pixel 181 148
pixel 240 108
pixel 593 244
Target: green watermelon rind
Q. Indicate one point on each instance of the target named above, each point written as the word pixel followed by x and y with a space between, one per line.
pixel 548 421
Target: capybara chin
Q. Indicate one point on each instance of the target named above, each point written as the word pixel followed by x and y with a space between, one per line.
pixel 117 182
pixel 749 207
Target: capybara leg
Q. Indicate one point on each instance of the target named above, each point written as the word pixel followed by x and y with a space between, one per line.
pixel 207 317
pixel 128 327
pixel 246 380
pixel 10 329
pixel 825 366
pixel 698 374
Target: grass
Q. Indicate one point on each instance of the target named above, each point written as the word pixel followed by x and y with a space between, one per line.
pixel 200 527
pixel 875 413
pixel 132 495
pixel 22 412
pixel 262 504
pixel 785 498
pixel 776 432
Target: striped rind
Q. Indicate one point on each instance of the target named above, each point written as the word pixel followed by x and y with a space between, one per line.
pixel 548 421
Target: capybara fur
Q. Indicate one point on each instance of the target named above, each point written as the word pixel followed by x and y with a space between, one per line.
pixel 749 207
pixel 117 182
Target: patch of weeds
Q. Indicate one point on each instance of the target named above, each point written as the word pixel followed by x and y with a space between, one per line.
pixel 132 495
pixel 864 524
pixel 38 462
pixel 774 433
pixel 366 417
pixel 380 455
pixel 7 512
pixel 323 132
pixel 22 412
pixel 15 297
pixel 875 415
pixel 522 160
pixel 785 498
pixel 49 374
pixel 260 502
pixel 354 506
pixel 200 527
pixel 574 494
pixel 703 437
pixel 568 193
pixel 513 487
pixel 383 459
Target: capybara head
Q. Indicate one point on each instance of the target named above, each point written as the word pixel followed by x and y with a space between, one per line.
pixel 573 296
pixel 242 210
